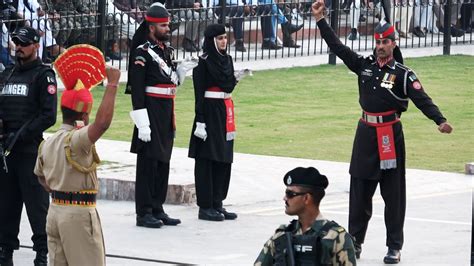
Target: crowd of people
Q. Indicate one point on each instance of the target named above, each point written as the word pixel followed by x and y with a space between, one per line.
pixel 64 165
pixel 63 23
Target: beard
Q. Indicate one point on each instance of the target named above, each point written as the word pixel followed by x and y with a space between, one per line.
pixel 162 37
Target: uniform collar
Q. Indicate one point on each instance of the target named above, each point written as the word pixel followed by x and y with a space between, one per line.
pixel 29 65
pixel 390 64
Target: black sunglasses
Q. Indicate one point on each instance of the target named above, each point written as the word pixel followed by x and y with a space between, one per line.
pixel 22 44
pixel 291 194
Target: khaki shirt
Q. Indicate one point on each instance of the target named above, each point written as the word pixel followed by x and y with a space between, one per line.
pixel 58 172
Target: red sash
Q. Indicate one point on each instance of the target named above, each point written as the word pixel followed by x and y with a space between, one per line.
pixel 230 117
pixel 385 142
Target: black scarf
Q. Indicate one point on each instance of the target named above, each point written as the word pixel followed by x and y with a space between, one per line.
pixel 219 65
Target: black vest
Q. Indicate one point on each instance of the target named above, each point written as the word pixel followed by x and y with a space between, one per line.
pixel 19 94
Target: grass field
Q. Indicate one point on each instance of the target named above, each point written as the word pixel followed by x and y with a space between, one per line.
pixel 312 113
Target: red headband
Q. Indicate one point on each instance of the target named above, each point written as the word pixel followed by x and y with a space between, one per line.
pixel 157 20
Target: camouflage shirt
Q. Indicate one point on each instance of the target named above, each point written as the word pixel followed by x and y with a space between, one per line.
pixel 337 246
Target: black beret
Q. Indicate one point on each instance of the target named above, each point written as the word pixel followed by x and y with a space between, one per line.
pixel 307 177
pixel 214 30
pixel 157 13
pixel 384 30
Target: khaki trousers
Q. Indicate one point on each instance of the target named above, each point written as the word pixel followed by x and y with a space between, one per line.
pixel 74 236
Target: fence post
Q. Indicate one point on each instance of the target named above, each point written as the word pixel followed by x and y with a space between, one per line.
pixel 222 11
pixel 100 36
pixel 447 28
pixel 334 25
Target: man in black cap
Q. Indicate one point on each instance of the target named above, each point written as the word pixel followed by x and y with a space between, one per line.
pixel 312 239
pixel 153 78
pixel 27 108
pixel 378 155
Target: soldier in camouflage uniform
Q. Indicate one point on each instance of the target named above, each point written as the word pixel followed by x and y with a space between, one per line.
pixel 67 26
pixel 312 239
pixel 87 9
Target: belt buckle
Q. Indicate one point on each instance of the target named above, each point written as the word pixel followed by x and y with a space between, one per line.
pixel 372 119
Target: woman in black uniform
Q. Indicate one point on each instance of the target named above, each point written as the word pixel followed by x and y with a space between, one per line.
pixel 212 140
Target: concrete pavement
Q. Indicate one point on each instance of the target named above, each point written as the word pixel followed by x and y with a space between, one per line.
pixel 437 226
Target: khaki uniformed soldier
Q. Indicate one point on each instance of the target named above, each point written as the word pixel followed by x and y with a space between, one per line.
pixel 312 239
pixel 66 167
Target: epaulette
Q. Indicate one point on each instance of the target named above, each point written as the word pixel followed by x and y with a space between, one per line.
pixel 144 46
pixel 204 56
pixel 402 66
pixel 371 58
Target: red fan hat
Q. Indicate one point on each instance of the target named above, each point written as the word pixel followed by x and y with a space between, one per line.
pixel 81 67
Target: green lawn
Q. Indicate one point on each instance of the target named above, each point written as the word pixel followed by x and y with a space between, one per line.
pixel 312 113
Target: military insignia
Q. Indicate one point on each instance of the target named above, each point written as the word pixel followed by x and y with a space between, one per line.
pixel 138 62
pixel 366 72
pixel 388 81
pixel 385 140
pixel 417 85
pixel 51 89
pixel 288 180
pixel 412 77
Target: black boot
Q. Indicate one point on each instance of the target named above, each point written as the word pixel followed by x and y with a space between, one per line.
pixel 392 257
pixel 166 219
pixel 6 257
pixel 189 46
pixel 358 249
pixel 41 258
pixel 227 215
pixel 239 46
pixel 210 215
pixel 270 45
pixel 287 39
pixel 149 221
pixel 290 28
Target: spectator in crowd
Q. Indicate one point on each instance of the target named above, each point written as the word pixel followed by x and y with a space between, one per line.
pixel 466 15
pixel 423 21
pixel 270 15
pixel 87 10
pixel 235 10
pixel 403 15
pixel 455 11
pixel 33 13
pixel 66 26
pixel 6 48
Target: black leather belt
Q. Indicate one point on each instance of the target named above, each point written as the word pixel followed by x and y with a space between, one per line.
pixel 81 198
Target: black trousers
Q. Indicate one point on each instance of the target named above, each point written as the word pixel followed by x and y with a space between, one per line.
pixel 20 185
pixel 212 180
pixel 393 191
pixel 151 185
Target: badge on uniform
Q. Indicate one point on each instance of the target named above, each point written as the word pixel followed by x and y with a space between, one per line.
pixel 388 81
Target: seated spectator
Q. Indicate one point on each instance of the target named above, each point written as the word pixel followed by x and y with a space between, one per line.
pixel 403 15
pixel 235 10
pixel 466 15
pixel 423 21
pixel 455 11
pixel 87 10
pixel 270 15
pixel 196 17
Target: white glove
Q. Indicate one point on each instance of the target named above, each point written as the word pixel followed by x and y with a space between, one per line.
pixel 200 131
pixel 184 66
pixel 240 74
pixel 140 118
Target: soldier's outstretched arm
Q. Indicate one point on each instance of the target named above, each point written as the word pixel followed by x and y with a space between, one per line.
pixel 106 108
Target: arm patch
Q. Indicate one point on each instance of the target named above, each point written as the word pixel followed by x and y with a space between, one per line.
pixel 140 60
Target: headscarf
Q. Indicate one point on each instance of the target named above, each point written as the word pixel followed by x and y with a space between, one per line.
pixel 219 63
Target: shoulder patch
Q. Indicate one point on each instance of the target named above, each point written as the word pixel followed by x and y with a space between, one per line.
pixel 139 60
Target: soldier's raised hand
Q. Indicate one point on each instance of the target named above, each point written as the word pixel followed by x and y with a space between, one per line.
pixel 318 8
pixel 113 75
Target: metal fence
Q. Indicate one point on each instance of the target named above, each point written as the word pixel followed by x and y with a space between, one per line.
pixel 264 31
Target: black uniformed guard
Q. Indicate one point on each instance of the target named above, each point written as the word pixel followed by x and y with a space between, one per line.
pixel 378 156
pixel 312 239
pixel 212 141
pixel 153 79
pixel 27 108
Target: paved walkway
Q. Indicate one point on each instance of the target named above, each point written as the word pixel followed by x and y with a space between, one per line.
pixel 437 226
